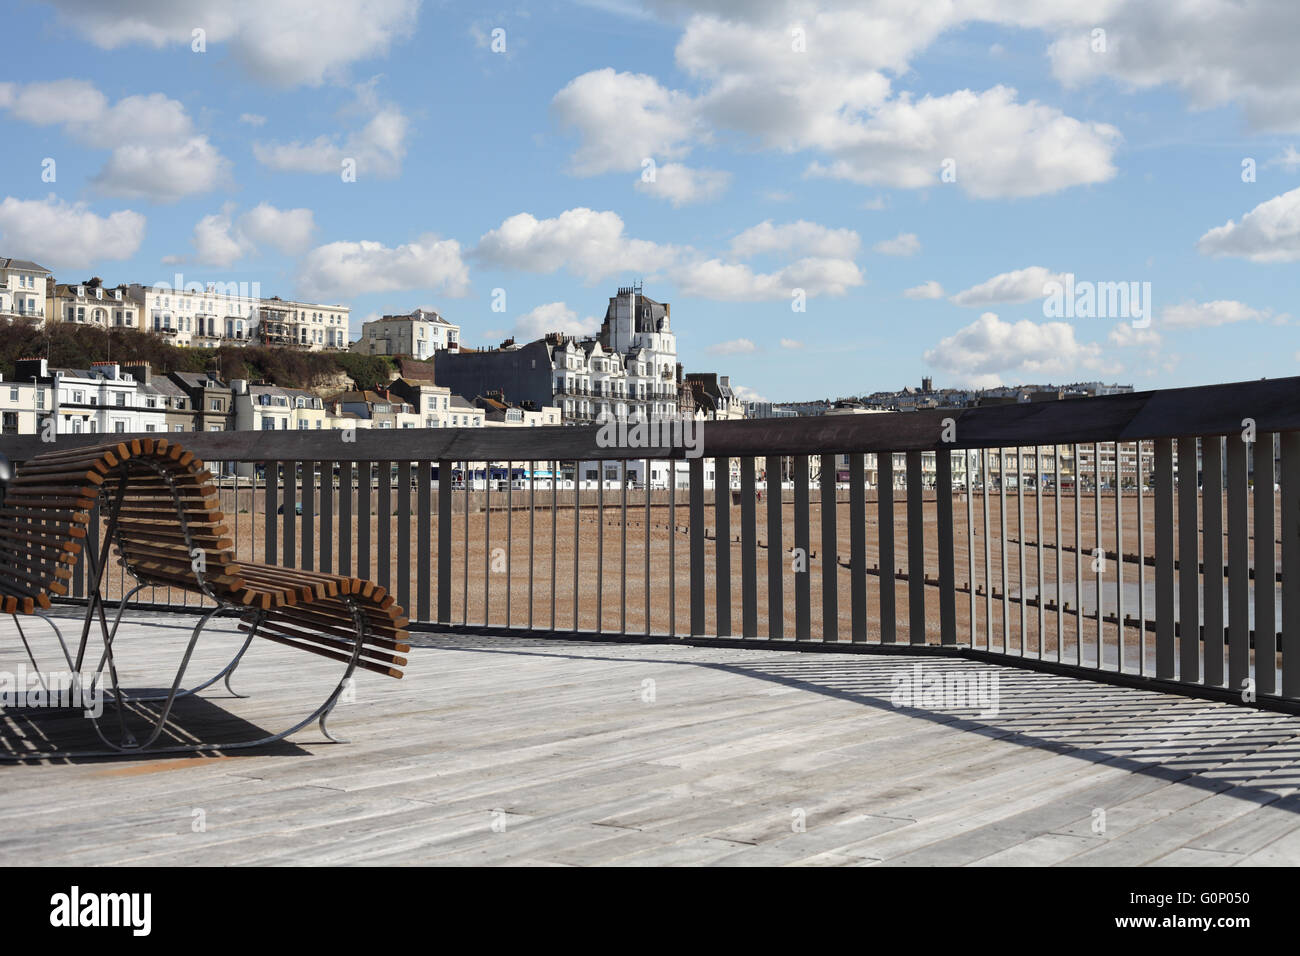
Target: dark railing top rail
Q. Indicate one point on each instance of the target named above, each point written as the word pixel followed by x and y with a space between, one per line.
pixel 1273 405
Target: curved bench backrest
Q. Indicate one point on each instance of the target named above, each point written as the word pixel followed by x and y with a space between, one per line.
pixel 47 507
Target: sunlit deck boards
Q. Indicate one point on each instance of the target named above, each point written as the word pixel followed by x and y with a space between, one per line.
pixel 557 744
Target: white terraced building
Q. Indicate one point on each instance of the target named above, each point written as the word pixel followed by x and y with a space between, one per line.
pixel 23 289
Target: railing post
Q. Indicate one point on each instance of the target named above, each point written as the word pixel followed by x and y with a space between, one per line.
pixel 748 550
pixel 830 554
pixel 1212 549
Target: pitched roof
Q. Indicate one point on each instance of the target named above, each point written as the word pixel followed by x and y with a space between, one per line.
pixel 23 264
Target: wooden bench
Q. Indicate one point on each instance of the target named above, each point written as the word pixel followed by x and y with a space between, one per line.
pixel 163 517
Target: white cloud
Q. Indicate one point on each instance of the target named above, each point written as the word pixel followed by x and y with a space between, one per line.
pixel 1125 335
pixel 347 269
pixel 1268 233
pixel 1216 51
pixel 834 99
pixel 791 344
pixel 155 152
pixel 593 245
pixel 553 317
pixel 746 394
pixel 65 235
pixel 221 240
pixel 623 119
pixel 733 347
pixel 734 282
pixel 926 290
pixel 163 173
pixel 286 43
pixel 1022 285
pixel 1199 315
pixel 682 185
pixel 590 244
pixel 904 244
pixel 377 148
pixel 252 119
pixel 800 237
pixel 989 349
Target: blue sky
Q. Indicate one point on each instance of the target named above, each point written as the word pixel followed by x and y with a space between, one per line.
pixel 796 146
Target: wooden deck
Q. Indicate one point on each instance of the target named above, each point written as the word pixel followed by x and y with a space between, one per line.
pixel 501 750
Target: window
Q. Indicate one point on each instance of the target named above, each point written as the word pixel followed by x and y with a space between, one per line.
pixel 13 394
pixel 11 423
pixel 178 428
pixel 216 405
pixel 121 400
pixel 119 427
pixel 150 428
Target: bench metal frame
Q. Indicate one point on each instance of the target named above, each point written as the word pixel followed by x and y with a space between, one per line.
pixel 125 741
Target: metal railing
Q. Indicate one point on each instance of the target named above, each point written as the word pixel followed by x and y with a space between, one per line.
pixel 1191 584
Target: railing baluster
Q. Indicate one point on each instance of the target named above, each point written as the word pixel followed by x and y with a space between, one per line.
pixel 857 546
pixel 1238 564
pixel 947 577
pixel 577 535
pixel 600 547
pixel 1020 533
pixel 696 508
pixel 290 509
pixel 672 547
pixel 384 534
pixel 1290 564
pixel 830 552
pixel 404 535
pixel 1078 556
pixel 345 518
pixel 885 544
pixel 1142 562
pixel 748 550
pixel 1189 612
pixel 1099 546
pixel 648 515
pixel 968 458
pixel 722 544
pixel 365 479
pixel 622 565
pixel 465 466
pixel 915 550
pixel 327 517
pixel 1164 553
pixel 1006 579
pixel 510 538
pixel 532 529
pixel 487 543
pixel 1038 545
pixel 776 553
pixel 1265 570
pixel 444 541
pixel 555 535
pixel 308 515
pixel 803 549
pixel 1119 557
pixel 1060 544
pixel 988 552
pixel 1212 549
pixel 423 539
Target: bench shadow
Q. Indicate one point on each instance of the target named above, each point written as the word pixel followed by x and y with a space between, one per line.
pixel 1211 746
pixel 25 732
